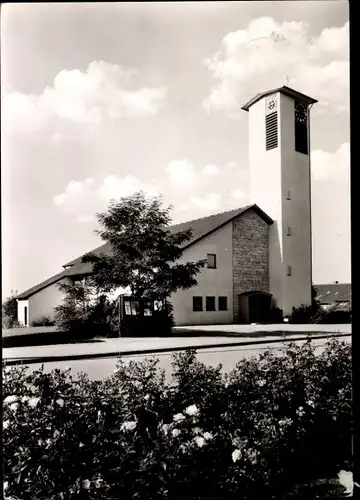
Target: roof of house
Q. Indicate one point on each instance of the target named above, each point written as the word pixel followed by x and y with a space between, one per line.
pixel 54 279
pixel 200 228
pixel 294 94
pixel 334 292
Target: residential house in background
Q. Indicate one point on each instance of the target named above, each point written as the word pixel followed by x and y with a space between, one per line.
pixel 334 295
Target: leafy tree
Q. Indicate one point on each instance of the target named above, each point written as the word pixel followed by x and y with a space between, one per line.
pixel 84 310
pixel 9 312
pixel 144 251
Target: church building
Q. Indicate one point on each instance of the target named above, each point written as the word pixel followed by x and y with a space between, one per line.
pixel 258 256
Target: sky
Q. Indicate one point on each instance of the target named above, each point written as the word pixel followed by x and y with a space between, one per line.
pixel 100 100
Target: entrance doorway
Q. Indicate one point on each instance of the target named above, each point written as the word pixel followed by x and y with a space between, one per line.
pixel 254 307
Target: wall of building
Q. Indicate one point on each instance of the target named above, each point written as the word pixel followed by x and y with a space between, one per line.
pixel 296 213
pixel 250 256
pixel 266 191
pixel 211 282
pixel 44 302
pixel 21 304
pixel 272 174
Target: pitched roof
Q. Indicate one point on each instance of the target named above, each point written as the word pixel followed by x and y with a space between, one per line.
pixel 334 292
pixel 79 270
pixel 200 228
pixel 294 94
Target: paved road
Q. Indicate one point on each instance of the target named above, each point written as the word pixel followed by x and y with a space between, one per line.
pixel 316 327
pixel 228 356
pixel 128 344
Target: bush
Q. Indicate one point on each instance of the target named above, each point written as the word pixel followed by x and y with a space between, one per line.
pixel 306 314
pixel 266 429
pixel 336 317
pixel 303 315
pixel 276 315
pixel 44 321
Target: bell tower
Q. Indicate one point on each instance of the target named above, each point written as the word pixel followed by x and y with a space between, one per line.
pixel 280 184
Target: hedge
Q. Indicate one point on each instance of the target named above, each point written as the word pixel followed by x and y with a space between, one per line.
pixel 265 430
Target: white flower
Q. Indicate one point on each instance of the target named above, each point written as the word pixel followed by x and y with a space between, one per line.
pixel 200 441
pixel 208 436
pixel 236 455
pixel 252 454
pixel 13 407
pixel 33 402
pixel 10 399
pixel 25 399
pixel 60 402
pixel 6 424
pixel 310 403
pixel 197 430
pixel 147 397
pixel 300 411
pixel 192 410
pixel 178 417
pixel 165 428
pixel 261 382
pixel 81 445
pixel 346 480
pixel 85 484
pixel 176 432
pixel 56 433
pixel 128 426
pixel 48 441
pixel 98 482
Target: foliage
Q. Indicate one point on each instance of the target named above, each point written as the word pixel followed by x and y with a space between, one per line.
pixel 303 315
pixel 85 311
pixel 144 250
pixel 306 314
pixel 267 429
pixel 9 312
pixel 276 315
pixel 316 314
pixel 44 321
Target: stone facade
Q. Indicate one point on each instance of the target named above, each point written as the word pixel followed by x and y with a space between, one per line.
pixel 250 237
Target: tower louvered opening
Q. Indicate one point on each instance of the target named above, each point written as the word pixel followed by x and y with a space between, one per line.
pixel 271 131
pixel 301 128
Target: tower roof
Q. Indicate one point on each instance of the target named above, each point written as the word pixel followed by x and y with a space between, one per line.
pixel 294 94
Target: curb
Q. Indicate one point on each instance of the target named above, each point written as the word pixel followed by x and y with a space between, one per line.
pixel 112 354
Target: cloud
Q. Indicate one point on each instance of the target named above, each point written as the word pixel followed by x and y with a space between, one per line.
pixel 238 194
pixel 325 165
pixel 264 54
pixel 181 173
pixel 206 204
pixel 210 169
pixel 84 199
pixel 102 90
